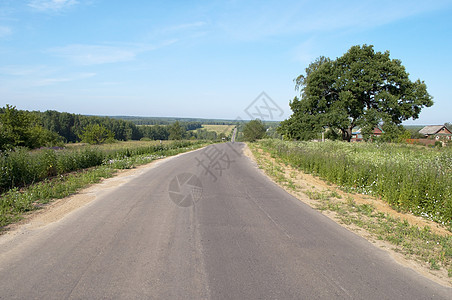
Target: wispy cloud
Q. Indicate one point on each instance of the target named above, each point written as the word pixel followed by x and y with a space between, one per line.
pixel 178 32
pixel 95 54
pixel 273 18
pixel 51 5
pixel 21 70
pixel 105 54
pixel 5 31
pixel 56 80
pixel 24 76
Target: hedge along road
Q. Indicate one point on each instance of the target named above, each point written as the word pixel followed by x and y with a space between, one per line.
pixel 204 225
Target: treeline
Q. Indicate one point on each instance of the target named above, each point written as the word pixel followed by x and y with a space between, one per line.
pixel 168 121
pixel 70 126
pixel 20 128
pixel 34 129
pixel 179 131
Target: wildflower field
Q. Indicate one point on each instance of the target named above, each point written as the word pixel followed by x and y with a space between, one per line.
pixel 410 178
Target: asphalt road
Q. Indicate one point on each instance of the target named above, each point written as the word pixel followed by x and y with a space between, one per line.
pixel 239 236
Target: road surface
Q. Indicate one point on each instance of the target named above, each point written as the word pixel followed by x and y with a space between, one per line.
pixel 204 225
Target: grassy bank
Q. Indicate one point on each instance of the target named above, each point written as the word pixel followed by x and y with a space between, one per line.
pixel 45 175
pixel 21 167
pixel 410 179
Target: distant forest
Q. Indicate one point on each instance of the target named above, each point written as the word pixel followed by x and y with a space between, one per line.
pixel 168 121
pixel 34 129
pixel 69 126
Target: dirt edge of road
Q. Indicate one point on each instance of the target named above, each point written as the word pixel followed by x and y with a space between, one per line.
pixel 440 277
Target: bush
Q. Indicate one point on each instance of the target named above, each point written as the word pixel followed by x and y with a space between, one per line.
pixel 96 134
pixel 254 130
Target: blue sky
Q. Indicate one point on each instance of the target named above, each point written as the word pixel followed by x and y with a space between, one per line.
pixel 206 59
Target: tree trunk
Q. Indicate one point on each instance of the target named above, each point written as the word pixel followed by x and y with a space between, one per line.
pixel 347 134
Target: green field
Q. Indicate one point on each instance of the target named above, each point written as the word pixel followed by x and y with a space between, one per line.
pixel 411 179
pixel 226 129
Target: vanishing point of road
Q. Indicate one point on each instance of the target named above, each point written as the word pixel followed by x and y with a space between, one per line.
pixel 203 225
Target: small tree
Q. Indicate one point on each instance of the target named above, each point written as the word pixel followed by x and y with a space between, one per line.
pixel 14 125
pixel 96 134
pixel 176 131
pixel 254 130
pixel 39 137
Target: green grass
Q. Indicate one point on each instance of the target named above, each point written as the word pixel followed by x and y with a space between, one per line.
pixel 16 201
pixel 410 179
pixel 416 242
pixel 226 129
pixel 22 167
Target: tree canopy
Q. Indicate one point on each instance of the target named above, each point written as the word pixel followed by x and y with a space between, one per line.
pixel 23 129
pixel 361 88
pixel 176 131
pixel 96 134
pixel 254 130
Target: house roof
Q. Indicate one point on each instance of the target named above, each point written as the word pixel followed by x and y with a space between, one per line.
pixel 375 130
pixel 431 129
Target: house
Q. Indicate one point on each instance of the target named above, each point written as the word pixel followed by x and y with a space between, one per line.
pixel 437 132
pixel 357 135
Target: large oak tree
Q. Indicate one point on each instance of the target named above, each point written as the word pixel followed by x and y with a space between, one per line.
pixel 361 88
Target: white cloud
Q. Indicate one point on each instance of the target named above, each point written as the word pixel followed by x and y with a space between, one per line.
pixel 105 54
pixel 95 54
pixel 51 5
pixel 20 70
pixel 56 80
pixel 24 76
pixel 5 31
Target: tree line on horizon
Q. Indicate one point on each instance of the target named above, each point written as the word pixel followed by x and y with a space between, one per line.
pixel 168 120
pixel 35 129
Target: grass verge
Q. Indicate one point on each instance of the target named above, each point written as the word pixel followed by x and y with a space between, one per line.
pixel 429 248
pixel 409 179
pixel 16 202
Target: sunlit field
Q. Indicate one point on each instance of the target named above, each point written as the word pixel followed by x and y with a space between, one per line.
pixel 226 129
pixel 414 179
